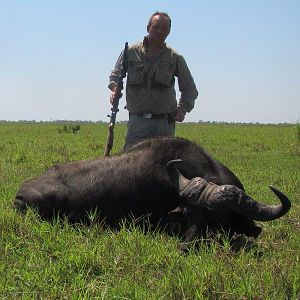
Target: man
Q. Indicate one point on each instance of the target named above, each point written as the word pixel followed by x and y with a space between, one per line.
pixel 150 94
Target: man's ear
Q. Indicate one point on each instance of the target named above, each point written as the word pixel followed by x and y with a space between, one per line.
pixel 148 28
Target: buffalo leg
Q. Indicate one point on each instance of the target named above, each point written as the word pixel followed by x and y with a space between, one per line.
pixel 189 237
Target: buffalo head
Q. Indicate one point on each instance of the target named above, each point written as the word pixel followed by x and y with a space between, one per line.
pixel 208 206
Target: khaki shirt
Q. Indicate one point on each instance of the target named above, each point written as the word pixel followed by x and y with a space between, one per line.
pixel 150 83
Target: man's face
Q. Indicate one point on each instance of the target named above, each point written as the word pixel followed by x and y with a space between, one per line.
pixel 159 29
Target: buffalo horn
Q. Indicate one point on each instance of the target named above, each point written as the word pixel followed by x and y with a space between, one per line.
pixel 236 200
pixel 262 212
pixel 232 198
pixel 178 180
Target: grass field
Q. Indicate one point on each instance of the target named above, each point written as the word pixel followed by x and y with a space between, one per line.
pixel 39 260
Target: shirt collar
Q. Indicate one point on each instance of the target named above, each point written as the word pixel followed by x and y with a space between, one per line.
pixel 145 45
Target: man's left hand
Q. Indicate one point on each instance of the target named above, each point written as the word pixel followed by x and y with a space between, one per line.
pixel 179 114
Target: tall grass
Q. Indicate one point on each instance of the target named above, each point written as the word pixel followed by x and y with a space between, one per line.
pixel 42 260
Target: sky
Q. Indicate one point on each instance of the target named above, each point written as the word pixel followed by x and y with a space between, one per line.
pixel 56 57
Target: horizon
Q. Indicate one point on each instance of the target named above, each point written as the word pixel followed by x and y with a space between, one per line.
pixel 125 121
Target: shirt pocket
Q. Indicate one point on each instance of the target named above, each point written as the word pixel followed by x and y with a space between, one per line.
pixel 164 74
pixel 136 72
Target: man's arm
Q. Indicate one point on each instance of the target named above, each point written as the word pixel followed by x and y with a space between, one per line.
pixel 186 86
pixel 113 78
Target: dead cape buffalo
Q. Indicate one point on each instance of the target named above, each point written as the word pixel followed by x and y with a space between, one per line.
pixel 137 182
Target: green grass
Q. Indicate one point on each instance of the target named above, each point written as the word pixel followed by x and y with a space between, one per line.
pixel 41 260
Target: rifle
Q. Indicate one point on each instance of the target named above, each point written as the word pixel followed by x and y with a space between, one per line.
pixel 115 109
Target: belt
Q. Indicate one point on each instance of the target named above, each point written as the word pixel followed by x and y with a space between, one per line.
pixel 152 116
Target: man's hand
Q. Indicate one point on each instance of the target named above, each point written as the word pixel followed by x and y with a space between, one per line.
pixel 113 95
pixel 179 114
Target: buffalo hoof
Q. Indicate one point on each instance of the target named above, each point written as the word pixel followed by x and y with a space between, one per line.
pixel 242 242
pixel 183 248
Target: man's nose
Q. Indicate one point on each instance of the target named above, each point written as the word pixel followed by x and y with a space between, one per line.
pixel 159 30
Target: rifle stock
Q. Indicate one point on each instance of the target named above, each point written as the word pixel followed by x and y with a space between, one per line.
pixel 115 109
pixel 110 140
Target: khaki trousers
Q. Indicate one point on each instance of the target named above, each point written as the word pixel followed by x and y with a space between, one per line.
pixel 139 128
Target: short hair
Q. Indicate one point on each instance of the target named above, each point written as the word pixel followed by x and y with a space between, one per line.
pixel 159 13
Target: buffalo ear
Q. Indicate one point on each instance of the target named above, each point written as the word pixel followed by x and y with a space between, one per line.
pixel 177 214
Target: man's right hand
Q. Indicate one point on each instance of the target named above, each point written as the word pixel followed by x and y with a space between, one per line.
pixel 113 97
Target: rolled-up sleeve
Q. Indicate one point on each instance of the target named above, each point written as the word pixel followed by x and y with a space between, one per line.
pixel 186 85
pixel 115 73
